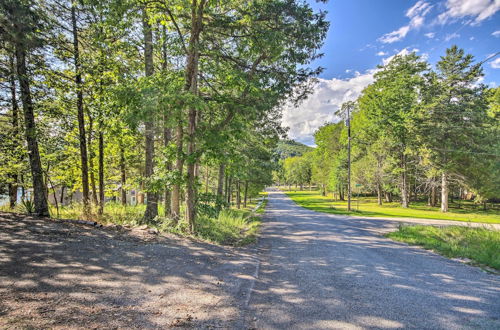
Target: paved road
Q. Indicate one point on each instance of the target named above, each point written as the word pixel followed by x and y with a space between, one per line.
pixel 320 271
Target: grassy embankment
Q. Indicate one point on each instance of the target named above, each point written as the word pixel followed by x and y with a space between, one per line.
pixel 231 227
pixel 367 207
pixel 480 245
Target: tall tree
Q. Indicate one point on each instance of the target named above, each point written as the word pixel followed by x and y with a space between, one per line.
pixel 152 196
pixel 20 22
pixel 392 103
pixel 455 116
pixel 80 111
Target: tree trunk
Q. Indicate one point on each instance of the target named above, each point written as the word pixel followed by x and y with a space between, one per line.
pixel 91 156
pixel 444 192
pixel 226 187
pixel 179 164
pixel 101 172
pixel 167 132
pixel 238 194
pixel 167 137
pixel 15 132
pixel 245 195
pixel 229 190
pixel 80 115
pixel 433 196
pixel 379 194
pixel 404 183
pixel 61 200
pixel 190 171
pixel 152 197
pixel 123 175
pixel 191 85
pixel 40 198
pixel 220 182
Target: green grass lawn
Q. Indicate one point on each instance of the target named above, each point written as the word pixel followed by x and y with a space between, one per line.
pixel 478 244
pixel 367 207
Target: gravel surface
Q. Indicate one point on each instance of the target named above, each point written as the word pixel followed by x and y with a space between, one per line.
pixel 61 276
pixel 309 271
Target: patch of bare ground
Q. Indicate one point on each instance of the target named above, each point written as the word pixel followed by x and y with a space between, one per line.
pixel 63 275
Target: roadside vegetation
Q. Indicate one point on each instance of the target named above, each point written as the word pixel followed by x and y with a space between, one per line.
pixel 229 226
pixel 480 245
pixel 368 207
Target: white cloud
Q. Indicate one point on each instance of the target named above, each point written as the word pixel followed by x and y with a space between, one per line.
pixel 430 35
pixel 496 33
pixel 478 10
pixel 394 36
pixel 420 8
pixel 403 52
pixel 416 14
pixel 321 105
pixel 495 64
pixel 451 36
pixel 381 53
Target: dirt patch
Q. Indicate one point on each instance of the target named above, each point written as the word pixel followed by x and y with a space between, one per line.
pixel 59 275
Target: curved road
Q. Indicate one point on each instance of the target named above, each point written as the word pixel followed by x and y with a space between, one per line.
pixel 321 271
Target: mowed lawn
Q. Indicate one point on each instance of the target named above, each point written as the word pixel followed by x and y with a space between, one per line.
pixel 367 207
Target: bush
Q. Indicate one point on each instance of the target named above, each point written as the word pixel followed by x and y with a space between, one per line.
pixel 28 206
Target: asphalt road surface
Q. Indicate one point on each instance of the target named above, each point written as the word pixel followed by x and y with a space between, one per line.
pixel 321 271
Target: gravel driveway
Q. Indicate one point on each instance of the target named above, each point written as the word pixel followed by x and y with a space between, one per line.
pixel 309 270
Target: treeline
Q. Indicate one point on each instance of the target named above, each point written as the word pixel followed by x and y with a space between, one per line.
pixel 417 132
pixel 179 100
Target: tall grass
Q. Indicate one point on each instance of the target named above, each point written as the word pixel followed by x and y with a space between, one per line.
pixel 115 213
pixel 478 244
pixel 230 227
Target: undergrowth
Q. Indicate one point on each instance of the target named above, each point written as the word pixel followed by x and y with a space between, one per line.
pixel 228 227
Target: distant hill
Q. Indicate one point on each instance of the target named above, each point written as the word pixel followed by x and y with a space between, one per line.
pixel 290 148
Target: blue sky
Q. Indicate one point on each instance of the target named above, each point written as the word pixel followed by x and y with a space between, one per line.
pixel 365 33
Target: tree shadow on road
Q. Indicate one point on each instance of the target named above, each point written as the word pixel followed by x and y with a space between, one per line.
pixel 328 271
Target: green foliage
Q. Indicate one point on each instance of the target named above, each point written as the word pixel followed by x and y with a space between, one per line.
pixel 297 170
pixel 290 148
pixel 478 244
pixel 210 205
